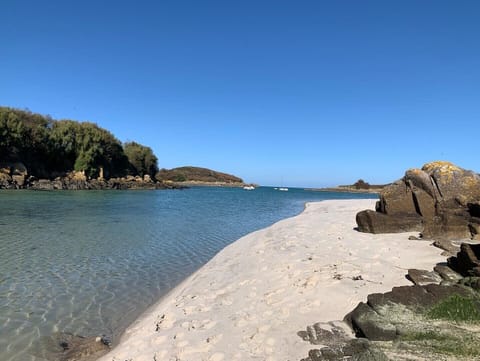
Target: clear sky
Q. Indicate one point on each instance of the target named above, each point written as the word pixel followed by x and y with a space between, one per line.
pixel 304 93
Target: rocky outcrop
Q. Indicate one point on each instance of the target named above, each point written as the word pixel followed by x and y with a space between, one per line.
pixel 436 318
pixel 441 200
pixel 403 324
pixel 376 222
pixel 15 176
pixel 467 260
pixel 379 319
pixel 337 345
pixel 67 183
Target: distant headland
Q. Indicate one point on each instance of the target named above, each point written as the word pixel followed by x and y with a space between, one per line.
pixel 197 176
pixel 359 186
pixel 38 152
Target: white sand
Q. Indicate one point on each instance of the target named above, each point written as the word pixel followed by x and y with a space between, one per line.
pixel 249 301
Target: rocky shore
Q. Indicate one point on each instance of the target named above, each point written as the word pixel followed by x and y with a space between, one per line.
pixel 16 176
pixel 376 295
pixel 438 317
pixel 440 200
pixel 347 189
pixel 250 300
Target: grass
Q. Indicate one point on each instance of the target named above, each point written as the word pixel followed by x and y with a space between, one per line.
pixel 425 336
pixel 444 343
pixel 457 309
pixel 453 335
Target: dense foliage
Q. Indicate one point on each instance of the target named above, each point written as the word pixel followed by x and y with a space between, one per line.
pixel 48 147
pixel 361 184
pixel 141 158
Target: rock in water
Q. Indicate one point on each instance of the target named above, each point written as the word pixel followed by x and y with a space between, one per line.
pixel 441 200
pixel 68 347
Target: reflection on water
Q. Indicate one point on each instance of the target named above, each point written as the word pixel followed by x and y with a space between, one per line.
pixel 89 263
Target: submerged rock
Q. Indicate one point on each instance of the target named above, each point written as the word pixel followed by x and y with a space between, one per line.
pixel 68 347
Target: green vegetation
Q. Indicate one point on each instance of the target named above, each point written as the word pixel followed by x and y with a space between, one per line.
pixel 448 328
pixel 456 308
pixel 462 345
pixel 141 158
pixel 423 336
pixel 362 185
pixel 49 147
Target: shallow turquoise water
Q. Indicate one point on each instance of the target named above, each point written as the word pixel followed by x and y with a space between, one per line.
pixel 89 263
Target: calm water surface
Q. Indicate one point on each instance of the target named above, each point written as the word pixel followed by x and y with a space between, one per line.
pixel 89 263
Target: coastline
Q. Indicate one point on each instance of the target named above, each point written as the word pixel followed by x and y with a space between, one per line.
pixel 208 184
pixel 251 299
pixel 342 189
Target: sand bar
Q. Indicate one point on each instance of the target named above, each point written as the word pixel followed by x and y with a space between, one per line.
pixel 251 299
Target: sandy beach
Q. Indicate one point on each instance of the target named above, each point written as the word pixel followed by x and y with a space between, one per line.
pixel 251 299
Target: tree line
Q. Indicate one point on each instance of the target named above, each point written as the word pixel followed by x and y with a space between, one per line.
pixel 48 147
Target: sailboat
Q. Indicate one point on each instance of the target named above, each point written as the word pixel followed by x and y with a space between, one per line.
pixel 282 188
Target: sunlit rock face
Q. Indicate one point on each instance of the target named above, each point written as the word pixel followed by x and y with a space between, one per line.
pixel 441 200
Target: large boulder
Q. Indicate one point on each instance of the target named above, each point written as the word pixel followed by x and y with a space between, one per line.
pixel 377 222
pixel 441 200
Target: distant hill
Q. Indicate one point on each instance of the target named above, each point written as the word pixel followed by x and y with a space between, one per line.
pixel 362 185
pixel 359 186
pixel 196 174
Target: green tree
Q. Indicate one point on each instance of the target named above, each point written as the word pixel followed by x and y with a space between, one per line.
pixel 47 146
pixel 141 158
pixel 63 143
pixel 24 137
pixel 87 147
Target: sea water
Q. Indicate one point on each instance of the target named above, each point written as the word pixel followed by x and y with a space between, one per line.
pixel 90 262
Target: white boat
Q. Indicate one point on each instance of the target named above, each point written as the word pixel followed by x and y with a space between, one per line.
pixel 249 188
pixel 283 189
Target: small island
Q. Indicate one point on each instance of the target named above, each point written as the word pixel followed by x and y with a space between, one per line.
pixel 197 176
pixel 359 186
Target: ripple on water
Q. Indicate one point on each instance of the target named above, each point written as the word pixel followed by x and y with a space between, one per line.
pixel 89 263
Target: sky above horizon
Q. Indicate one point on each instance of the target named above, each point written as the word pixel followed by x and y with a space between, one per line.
pixel 294 93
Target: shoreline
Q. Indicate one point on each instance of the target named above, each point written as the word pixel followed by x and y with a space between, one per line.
pixel 347 190
pixel 250 300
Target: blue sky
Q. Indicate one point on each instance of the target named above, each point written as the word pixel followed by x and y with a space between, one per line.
pixel 311 93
